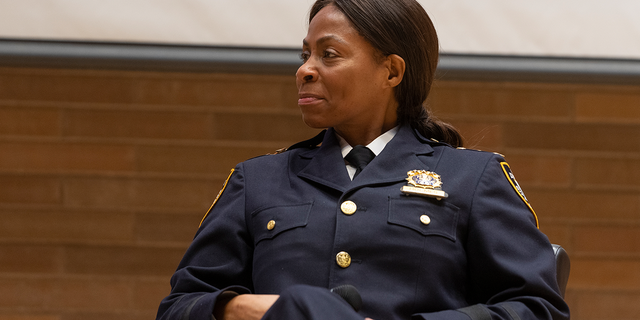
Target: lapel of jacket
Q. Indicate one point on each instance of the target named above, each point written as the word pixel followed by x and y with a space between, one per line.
pixel 405 152
pixel 325 165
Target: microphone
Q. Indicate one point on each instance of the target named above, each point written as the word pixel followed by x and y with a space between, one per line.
pixel 350 294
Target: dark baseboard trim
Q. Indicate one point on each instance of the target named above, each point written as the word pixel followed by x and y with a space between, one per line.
pixel 539 69
pixel 147 57
pixel 192 58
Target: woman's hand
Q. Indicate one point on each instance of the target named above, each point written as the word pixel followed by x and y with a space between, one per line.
pixel 246 307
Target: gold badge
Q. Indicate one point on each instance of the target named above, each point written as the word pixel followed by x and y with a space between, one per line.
pixel 424 183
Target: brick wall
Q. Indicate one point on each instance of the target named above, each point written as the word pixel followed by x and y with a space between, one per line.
pixel 104 176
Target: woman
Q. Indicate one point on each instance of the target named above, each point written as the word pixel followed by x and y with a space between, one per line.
pixel 424 231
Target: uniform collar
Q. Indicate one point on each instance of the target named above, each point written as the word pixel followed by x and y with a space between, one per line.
pixel 375 146
pixel 406 151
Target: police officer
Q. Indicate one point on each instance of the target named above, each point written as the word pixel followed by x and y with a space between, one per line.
pixel 381 200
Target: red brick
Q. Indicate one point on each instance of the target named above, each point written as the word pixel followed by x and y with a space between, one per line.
pixel 485 136
pixel 558 234
pixel 290 94
pixel 608 107
pixel 597 205
pixel 25 258
pixel 97 260
pixel 29 121
pixel 597 305
pixel 604 273
pixel 157 227
pixel 148 293
pixel 28 317
pixel 565 136
pixel 29 189
pixel 607 240
pixel 143 87
pixel 570 298
pixel 94 294
pixel 22 293
pixel 540 170
pixel 262 127
pixel 106 315
pixel 489 100
pixel 63 156
pixel 140 193
pixel 75 226
pixel 61 85
pixel 195 159
pixel 234 90
pixel 137 124
pixel 247 90
pixel 619 172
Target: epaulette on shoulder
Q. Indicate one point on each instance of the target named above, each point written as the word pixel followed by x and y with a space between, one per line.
pixel 433 141
pixel 310 143
pixel 496 153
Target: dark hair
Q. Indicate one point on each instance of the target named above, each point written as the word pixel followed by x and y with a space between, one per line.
pixel 402 27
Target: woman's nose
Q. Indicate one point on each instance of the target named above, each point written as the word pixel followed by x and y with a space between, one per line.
pixel 307 73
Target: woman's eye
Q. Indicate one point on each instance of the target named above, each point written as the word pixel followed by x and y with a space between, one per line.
pixel 329 54
pixel 304 56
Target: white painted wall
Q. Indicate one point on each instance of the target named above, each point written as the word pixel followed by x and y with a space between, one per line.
pixel 583 28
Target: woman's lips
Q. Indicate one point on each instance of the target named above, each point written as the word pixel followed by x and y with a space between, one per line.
pixel 308 99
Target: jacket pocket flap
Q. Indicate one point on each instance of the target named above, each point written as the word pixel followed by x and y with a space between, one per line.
pixel 267 223
pixel 427 216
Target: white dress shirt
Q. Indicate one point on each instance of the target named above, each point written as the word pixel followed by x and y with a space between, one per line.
pixel 376 146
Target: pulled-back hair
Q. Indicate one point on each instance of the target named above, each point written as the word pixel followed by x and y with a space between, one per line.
pixel 402 27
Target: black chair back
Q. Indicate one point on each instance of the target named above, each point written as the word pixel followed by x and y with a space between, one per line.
pixel 563 266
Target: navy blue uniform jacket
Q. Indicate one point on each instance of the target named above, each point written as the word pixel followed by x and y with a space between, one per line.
pixel 482 246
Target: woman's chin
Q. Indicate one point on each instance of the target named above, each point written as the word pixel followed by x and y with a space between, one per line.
pixel 314 123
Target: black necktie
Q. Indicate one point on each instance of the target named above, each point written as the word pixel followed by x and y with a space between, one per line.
pixel 359 157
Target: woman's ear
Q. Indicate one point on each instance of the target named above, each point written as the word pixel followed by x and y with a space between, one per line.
pixel 396 67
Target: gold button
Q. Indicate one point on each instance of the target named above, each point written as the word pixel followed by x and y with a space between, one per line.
pixel 271 224
pixel 343 259
pixel 425 219
pixel 348 207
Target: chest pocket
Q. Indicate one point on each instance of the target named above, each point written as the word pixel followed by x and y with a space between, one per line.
pixel 426 216
pixel 269 222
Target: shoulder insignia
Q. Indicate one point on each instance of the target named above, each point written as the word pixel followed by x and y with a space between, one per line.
pixel 281 150
pixel 224 186
pixel 470 149
pixel 512 180
pixel 433 141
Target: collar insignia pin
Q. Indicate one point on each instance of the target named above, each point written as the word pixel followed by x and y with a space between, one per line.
pixel 424 183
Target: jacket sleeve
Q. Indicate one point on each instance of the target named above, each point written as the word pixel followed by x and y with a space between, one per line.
pixel 218 261
pixel 511 263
